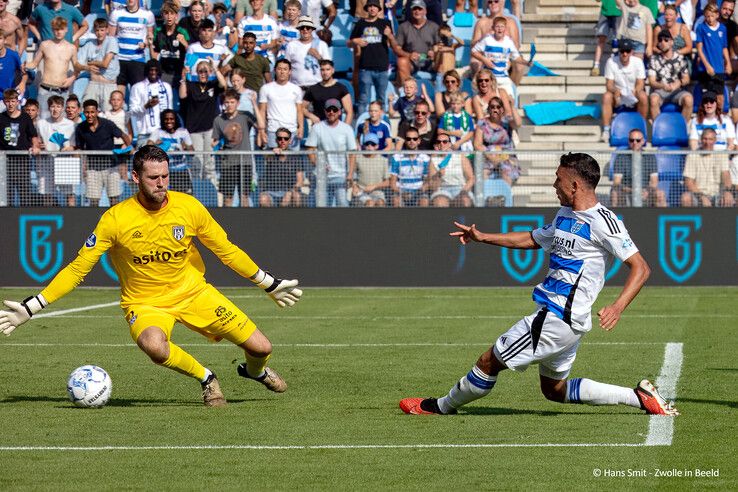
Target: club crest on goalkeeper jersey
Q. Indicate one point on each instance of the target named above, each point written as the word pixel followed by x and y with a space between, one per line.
pixel 153 251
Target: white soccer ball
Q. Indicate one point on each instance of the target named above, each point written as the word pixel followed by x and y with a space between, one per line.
pixel 89 386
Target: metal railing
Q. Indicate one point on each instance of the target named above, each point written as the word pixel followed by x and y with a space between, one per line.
pixel 320 179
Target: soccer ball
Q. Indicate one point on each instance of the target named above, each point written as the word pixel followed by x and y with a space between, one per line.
pixel 89 386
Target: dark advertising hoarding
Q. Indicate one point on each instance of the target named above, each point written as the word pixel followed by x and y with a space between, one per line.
pixel 387 247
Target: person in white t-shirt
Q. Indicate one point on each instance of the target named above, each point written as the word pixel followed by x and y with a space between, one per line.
pixel 625 77
pixel 305 54
pixel 280 104
pixel 56 134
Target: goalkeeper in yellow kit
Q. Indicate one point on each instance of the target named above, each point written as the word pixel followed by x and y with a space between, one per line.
pixel 150 241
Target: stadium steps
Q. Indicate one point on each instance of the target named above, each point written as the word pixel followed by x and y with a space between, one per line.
pixel 558 133
pixel 563 15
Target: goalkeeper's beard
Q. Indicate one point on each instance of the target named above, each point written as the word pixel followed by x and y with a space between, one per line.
pixel 158 195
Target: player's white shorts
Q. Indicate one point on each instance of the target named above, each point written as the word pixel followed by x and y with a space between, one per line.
pixel 541 338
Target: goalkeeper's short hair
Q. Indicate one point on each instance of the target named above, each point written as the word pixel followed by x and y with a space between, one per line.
pixel 148 153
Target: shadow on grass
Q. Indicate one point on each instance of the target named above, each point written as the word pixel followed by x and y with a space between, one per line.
pixel 726 403
pixel 119 402
pixel 522 411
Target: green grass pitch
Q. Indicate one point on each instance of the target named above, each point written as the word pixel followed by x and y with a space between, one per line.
pixel 349 356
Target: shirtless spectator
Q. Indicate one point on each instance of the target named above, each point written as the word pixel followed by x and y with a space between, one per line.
pixel 12 75
pixel 56 55
pixel 41 21
pixel 12 30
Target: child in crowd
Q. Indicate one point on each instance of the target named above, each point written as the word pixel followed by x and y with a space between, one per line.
pixel 376 126
pixel 405 105
pixel 446 50
pixel 458 124
pixel 713 60
pixel 118 115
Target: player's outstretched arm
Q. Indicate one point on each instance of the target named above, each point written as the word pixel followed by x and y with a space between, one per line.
pixel 639 273
pixel 284 292
pixel 516 240
pixel 20 312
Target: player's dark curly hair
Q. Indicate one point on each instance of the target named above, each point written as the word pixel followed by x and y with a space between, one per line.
pixel 584 165
pixel 148 153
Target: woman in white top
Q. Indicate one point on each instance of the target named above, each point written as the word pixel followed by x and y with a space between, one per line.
pixel 453 174
pixel 709 115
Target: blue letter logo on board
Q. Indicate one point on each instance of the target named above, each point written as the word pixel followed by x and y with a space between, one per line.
pixel 680 255
pixel 521 264
pixel 40 257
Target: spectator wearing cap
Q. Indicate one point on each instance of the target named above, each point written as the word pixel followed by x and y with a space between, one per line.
pixel 416 38
pixel 635 25
pixel 133 27
pixel 205 49
pixel 148 99
pixel 372 175
pixel 263 26
pixel 707 176
pixel 256 68
pixel 709 116
pixel 100 58
pixel 335 138
pixel 169 45
pixel 328 88
pixel 223 24
pixel 668 77
pixel 280 103
pixel 305 55
pixel 357 8
pixel 625 78
pixel 713 59
pixel 372 37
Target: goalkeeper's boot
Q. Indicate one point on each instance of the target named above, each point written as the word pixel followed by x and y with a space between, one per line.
pixel 651 401
pixel 270 378
pixel 422 406
pixel 211 393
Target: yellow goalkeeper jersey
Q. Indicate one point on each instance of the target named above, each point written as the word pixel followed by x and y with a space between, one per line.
pixel 153 252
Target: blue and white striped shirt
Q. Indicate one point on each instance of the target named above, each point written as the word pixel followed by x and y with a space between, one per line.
pixel 132 30
pixel 581 246
pixel 410 170
pixel 499 52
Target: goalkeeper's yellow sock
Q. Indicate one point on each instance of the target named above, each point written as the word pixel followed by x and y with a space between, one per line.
pixel 255 365
pixel 184 363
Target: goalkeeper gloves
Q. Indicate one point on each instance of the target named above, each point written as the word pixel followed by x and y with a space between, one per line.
pixel 20 312
pixel 284 292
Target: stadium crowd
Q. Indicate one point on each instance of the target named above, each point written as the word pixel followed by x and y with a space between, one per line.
pixel 213 79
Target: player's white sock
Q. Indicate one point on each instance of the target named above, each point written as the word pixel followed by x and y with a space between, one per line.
pixel 581 390
pixel 208 372
pixel 473 386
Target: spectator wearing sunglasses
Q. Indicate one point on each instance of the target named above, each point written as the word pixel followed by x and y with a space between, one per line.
pixel 422 124
pixel 625 77
pixel 452 176
pixel 283 176
pixel 668 77
pixel 333 138
pixel 409 178
pixel 622 175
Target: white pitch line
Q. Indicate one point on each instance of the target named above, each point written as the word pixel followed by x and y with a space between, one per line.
pixel 63 312
pixel 661 427
pixel 412 317
pixel 308 447
pixel 303 345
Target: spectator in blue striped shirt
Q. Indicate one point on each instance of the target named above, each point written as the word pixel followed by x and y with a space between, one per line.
pixel 497 52
pixel 409 174
pixel 133 26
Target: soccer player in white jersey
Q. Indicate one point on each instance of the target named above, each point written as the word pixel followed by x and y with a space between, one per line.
pixel 581 242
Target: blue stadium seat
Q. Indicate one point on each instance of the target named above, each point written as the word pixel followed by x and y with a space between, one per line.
pixel 343 58
pixel 205 191
pixel 622 125
pixel 670 133
pixel 670 129
pixel 350 87
pixel 670 108
pixel 498 188
pixel 341 28
pixel 462 26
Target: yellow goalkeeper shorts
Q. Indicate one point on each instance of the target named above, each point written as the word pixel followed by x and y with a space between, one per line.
pixel 209 313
